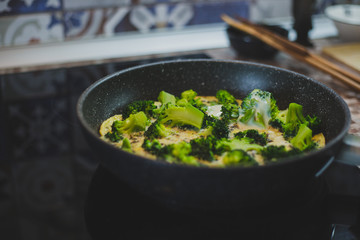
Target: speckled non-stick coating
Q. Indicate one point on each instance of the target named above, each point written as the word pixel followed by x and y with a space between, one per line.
pixel 204 188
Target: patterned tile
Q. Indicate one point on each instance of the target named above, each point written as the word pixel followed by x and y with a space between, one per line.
pixel 31 29
pixel 38 112
pixel 10 7
pixel 85 23
pixel 180 15
pixel 90 19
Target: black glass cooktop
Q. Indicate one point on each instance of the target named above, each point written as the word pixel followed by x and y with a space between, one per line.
pixel 51 186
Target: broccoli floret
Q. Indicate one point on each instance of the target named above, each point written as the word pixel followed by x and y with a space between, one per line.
pixel 134 123
pixel 230 107
pixel 220 129
pixel 115 135
pixel 156 130
pixel 179 153
pixel 152 146
pixel 202 148
pixel 165 98
pixel 258 107
pixel 278 119
pixel 216 127
pixel 230 112
pixel 313 123
pixel 238 158
pixel 272 153
pixel 126 145
pixel 146 106
pixel 289 120
pixel 208 120
pixel 182 115
pixel 294 118
pixel 258 138
pixel 303 139
pixel 172 153
pixel 224 97
pixel 246 144
pixel 189 95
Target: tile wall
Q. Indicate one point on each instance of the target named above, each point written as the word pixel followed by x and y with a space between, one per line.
pixel 24 22
pixel 27 22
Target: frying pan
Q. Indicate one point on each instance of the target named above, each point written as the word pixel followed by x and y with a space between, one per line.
pixel 218 190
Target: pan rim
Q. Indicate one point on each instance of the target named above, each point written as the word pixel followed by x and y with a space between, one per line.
pixel 285 161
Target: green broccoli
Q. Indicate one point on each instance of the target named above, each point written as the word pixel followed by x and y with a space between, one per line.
pixel 224 97
pixel 165 98
pixel 272 153
pixel 172 153
pixel 189 95
pixel 179 153
pixel 126 145
pixel 215 127
pixel 153 146
pixel 258 107
pixel 115 135
pixel 156 130
pixel 278 119
pixel 146 106
pixel 202 148
pixel 246 144
pixel 182 115
pixel 294 118
pixel 238 158
pixel 230 112
pixel 134 123
pixel 230 107
pixel 313 123
pixel 303 139
pixel 258 138
pixel 289 120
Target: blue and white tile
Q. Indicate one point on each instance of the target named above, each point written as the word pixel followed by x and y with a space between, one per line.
pixel 84 24
pixel 31 29
pixel 11 7
pixel 161 16
pixel 180 15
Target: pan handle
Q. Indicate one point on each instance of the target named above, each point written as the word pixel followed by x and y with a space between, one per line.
pixel 348 155
pixel 343 172
pixel 342 179
pixel 350 152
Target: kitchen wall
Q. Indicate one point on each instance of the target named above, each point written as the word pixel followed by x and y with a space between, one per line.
pixel 27 22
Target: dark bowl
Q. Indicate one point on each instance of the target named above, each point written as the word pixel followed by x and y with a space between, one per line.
pixel 251 47
pixel 216 189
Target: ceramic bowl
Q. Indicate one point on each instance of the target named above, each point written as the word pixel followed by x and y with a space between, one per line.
pixel 346 18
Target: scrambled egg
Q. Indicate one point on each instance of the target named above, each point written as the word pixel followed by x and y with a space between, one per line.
pixel 275 137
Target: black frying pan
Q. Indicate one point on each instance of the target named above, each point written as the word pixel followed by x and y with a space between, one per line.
pixel 213 189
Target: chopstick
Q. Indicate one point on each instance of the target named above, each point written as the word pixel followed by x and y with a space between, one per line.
pixel 295 50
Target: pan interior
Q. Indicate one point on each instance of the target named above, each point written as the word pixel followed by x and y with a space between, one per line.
pixel 110 94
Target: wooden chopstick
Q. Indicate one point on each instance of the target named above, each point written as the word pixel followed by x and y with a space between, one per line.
pixel 301 49
pixel 295 50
